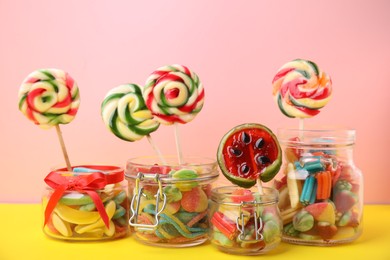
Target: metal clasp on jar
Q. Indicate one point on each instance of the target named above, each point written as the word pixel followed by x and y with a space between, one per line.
pixel 240 222
pixel 136 202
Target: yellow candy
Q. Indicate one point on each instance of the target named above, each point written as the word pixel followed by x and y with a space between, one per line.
pixel 110 231
pixel 110 210
pixel 61 226
pixel 76 216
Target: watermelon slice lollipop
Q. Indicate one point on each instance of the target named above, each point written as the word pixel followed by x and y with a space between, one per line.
pixel 249 152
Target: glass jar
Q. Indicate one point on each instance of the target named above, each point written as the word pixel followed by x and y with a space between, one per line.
pixel 321 189
pixel 88 203
pixel 243 222
pixel 169 201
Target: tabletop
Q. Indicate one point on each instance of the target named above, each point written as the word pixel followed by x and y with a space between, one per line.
pixel 22 238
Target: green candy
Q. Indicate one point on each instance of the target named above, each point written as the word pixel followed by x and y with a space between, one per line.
pixel 271 231
pixel 120 197
pixel 76 199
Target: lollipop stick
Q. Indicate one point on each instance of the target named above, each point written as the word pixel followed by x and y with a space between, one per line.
pixel 155 148
pixel 259 187
pixel 178 145
pixel 65 153
pixel 301 127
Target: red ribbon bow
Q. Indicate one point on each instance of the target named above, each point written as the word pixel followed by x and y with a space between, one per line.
pixel 84 184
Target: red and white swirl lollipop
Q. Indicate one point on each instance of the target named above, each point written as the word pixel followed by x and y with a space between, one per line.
pixel 49 97
pixel 301 88
pixel 174 94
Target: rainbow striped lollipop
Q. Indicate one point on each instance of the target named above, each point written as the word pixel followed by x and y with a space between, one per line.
pixel 301 89
pixel 50 97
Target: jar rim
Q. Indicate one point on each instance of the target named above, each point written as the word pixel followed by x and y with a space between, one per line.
pixel 223 195
pixel 319 135
pixel 209 165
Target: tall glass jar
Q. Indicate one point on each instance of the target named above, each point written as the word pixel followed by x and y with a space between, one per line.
pixel 89 202
pixel 169 201
pixel 243 221
pixel 320 187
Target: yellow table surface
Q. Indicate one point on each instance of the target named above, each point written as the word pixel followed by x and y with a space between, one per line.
pixel 22 238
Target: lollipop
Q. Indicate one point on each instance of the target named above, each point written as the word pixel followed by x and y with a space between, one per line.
pixel 125 114
pixel 301 89
pixel 49 97
pixel 175 95
pixel 249 153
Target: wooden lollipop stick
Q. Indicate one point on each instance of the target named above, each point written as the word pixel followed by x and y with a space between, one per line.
pixel 65 153
pixel 301 127
pixel 178 144
pixel 259 187
pixel 155 148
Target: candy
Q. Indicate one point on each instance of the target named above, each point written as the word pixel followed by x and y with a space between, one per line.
pixel 225 225
pixel 301 89
pixel 194 200
pixel 61 226
pixel 271 231
pixel 75 216
pixel 322 212
pixel 309 191
pixel 125 114
pixel 294 186
pixel 49 97
pixel 326 230
pixel 174 94
pixel 344 200
pixel 324 185
pixel 99 223
pixel 303 221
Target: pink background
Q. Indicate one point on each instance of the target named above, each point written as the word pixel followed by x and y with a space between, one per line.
pixel 235 47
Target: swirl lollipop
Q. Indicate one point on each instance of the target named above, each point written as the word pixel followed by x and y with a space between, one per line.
pixel 49 97
pixel 301 89
pixel 175 95
pixel 125 114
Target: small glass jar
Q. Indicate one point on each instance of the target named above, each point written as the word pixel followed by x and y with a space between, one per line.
pixel 321 189
pixel 243 222
pixel 90 202
pixel 169 201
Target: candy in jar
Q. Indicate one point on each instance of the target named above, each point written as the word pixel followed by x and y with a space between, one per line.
pixel 320 187
pixel 169 201
pixel 243 221
pixel 88 203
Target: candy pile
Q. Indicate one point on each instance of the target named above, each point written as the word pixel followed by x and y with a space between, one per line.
pixel 172 209
pixel 319 196
pixel 247 221
pixel 93 206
